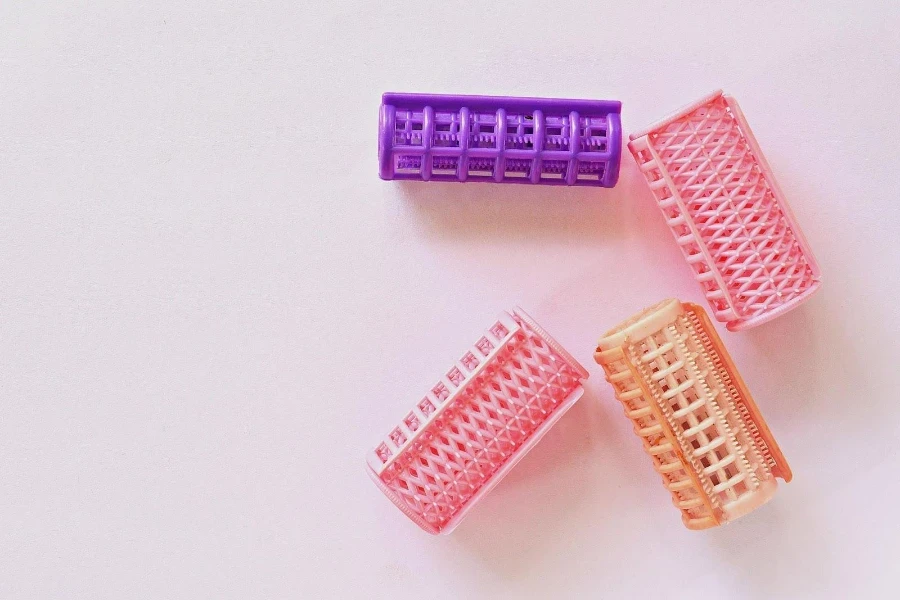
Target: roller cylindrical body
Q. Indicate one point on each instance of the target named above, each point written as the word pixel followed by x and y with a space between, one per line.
pixel 436 137
pixel 482 417
pixel 730 219
pixel 693 413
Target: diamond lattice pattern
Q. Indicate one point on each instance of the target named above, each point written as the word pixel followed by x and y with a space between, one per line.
pixel 491 419
pixel 727 196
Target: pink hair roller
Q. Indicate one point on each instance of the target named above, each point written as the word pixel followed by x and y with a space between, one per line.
pixel 729 217
pixel 480 419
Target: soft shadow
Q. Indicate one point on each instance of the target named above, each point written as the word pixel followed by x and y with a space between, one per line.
pixel 541 497
pixel 519 211
pixel 774 551
pixel 808 357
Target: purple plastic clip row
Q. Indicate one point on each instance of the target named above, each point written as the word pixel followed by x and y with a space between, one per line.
pixel 436 137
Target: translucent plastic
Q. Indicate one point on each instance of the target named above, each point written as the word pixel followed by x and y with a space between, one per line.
pixel 489 409
pixel 693 413
pixel 436 137
pixel 728 215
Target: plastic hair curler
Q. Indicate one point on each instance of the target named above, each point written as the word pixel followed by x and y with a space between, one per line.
pixel 693 413
pixel 481 418
pixel 729 217
pixel 436 137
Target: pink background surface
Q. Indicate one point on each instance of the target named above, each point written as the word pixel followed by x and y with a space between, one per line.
pixel 212 308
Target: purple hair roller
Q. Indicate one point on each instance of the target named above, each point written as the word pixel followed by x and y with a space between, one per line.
pixel 436 137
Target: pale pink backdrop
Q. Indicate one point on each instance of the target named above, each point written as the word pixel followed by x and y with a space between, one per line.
pixel 211 307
